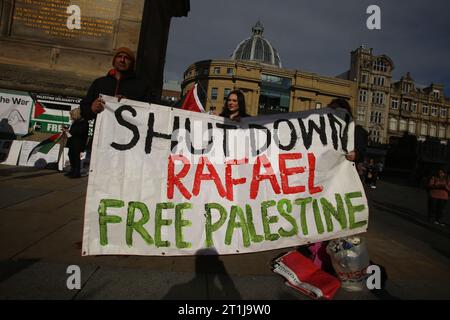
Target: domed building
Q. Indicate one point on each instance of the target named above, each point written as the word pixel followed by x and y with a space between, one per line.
pixel 256 48
pixel 255 68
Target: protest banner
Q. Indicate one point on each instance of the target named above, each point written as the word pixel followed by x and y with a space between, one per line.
pixel 15 110
pixel 51 112
pixel 38 160
pixel 10 151
pixel 166 181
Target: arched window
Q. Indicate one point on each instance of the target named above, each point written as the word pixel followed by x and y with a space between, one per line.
pixel 380 65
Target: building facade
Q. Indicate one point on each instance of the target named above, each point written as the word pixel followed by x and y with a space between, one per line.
pixel 388 109
pixel 255 68
pixel 384 107
pixel 373 76
pixel 171 93
pixel 420 111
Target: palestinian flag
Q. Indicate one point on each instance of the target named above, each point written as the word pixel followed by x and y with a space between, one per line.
pixel 192 101
pixel 46 145
pixel 38 109
pixel 51 112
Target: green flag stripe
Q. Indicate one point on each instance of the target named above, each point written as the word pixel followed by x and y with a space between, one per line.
pixel 50 117
pixel 47 147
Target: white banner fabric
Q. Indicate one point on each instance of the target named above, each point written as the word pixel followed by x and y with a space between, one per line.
pixel 15 111
pixel 166 181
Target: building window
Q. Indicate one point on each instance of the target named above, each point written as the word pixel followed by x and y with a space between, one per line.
pixel 425 109
pixel 379 65
pixel 214 93
pixel 318 105
pixel 361 114
pixel 275 94
pixel 436 94
pixel 414 107
pixel 364 77
pixel 393 124
pixel 433 130
pixel 443 113
pixel 362 95
pixel 402 125
pixel 216 70
pixel 405 106
pixel 378 81
pixel 374 135
pixel 441 132
pixel 412 127
pixel 229 71
pixel 424 129
pixel 226 92
pixel 394 103
pixel 433 110
pixel 378 98
pixel 375 117
pixel 406 87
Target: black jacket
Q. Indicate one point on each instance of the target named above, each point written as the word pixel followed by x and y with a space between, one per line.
pixel 361 141
pixel 129 86
pixel 79 133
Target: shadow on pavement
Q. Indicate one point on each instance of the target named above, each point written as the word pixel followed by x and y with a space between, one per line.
pixel 36 175
pixel 10 268
pixel 209 270
pixel 382 293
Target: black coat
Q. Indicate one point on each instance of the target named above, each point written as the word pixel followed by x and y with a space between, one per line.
pixel 361 142
pixel 79 134
pixel 129 86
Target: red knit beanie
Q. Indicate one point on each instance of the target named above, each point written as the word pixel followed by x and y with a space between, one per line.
pixel 128 52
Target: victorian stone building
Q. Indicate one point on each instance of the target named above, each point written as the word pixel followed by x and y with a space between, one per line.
pixel 256 69
pixel 385 107
pixel 389 108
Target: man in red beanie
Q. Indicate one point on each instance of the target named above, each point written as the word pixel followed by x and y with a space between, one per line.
pixel 121 82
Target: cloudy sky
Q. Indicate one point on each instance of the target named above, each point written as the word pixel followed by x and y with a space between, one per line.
pixel 318 36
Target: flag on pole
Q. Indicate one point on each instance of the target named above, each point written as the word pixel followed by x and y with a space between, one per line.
pixel 38 109
pixel 46 145
pixel 192 102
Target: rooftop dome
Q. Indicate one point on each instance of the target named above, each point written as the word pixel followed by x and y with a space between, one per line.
pixel 256 48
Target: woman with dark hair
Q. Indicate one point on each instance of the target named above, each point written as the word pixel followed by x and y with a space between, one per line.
pixel 439 187
pixel 234 108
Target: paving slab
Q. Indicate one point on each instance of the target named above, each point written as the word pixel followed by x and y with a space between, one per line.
pixel 48 202
pixel 33 279
pixel 21 230
pixel 131 284
pixel 12 195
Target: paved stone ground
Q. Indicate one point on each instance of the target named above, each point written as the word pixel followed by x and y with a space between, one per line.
pixel 41 228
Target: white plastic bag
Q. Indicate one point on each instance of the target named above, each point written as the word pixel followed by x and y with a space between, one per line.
pixel 350 260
